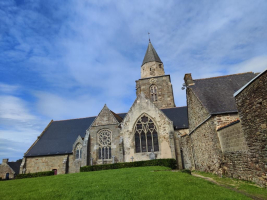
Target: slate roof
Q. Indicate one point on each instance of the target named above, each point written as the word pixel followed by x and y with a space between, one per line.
pixel 60 136
pixel 15 166
pixel 151 55
pixel 216 94
pixel 118 117
pixel 178 115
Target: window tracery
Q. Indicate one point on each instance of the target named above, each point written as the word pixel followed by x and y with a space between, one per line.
pixel 146 135
pixel 153 93
pixel 78 151
pixel 104 141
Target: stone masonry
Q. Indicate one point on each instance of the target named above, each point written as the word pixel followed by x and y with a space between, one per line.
pixel 252 106
pixel 105 120
pixel 46 163
pixel 152 69
pixel 232 138
pixel 164 127
pixel 164 87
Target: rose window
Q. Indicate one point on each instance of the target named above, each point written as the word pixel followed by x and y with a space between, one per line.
pixel 104 138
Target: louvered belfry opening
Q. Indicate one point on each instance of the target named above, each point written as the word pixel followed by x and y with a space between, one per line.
pixel 153 93
pixel 146 135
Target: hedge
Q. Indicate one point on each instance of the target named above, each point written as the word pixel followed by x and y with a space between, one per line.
pixel 171 163
pixel 37 174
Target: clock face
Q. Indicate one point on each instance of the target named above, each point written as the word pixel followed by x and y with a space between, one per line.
pixel 104 138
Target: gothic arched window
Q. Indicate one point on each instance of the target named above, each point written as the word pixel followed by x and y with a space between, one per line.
pixel 153 93
pixel 146 135
pixel 78 151
pixel 104 141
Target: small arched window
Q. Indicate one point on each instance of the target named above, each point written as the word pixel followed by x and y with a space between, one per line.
pixel 153 93
pixel 104 141
pixel 146 135
pixel 78 151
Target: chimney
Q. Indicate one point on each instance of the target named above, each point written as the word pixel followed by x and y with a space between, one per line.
pixel 188 80
pixel 5 161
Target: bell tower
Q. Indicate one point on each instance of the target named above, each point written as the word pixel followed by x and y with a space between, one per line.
pixel 154 83
pixel 152 65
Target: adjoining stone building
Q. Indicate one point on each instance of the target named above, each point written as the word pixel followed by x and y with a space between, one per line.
pixel 250 162
pixel 227 133
pixel 9 170
pixel 152 126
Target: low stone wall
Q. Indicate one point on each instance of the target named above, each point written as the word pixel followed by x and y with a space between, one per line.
pixel 243 165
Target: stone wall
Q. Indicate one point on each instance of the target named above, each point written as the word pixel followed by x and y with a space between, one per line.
pixel 104 121
pixel 232 138
pixel 73 164
pixel 5 168
pixel 151 69
pixel 252 106
pixel 115 144
pixel 186 154
pixel 197 113
pixel 164 127
pixel 206 148
pixel 46 163
pixel 243 165
pixel 165 97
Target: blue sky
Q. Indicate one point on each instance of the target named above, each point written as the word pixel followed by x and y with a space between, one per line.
pixel 66 59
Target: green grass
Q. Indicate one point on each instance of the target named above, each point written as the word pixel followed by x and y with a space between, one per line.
pixel 241 185
pixel 129 183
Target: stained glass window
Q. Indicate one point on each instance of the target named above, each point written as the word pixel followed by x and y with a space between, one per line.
pixel 104 141
pixel 78 151
pixel 146 136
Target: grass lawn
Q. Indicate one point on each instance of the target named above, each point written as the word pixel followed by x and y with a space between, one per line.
pixel 129 183
pixel 241 185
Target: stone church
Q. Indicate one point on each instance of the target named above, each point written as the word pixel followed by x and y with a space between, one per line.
pixel 151 127
pixel 223 128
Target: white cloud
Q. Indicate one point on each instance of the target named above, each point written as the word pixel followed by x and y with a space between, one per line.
pixel 6 88
pixel 256 64
pixel 14 108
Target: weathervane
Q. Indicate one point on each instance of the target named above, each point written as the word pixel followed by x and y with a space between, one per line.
pixel 149 36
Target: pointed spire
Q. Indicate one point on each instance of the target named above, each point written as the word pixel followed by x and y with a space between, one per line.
pixel 151 54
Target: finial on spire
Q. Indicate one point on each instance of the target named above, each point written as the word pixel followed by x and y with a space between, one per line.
pixel 149 36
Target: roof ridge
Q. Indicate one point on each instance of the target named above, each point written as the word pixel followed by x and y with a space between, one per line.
pixel 223 76
pixel 173 107
pixel 121 113
pixel 73 119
